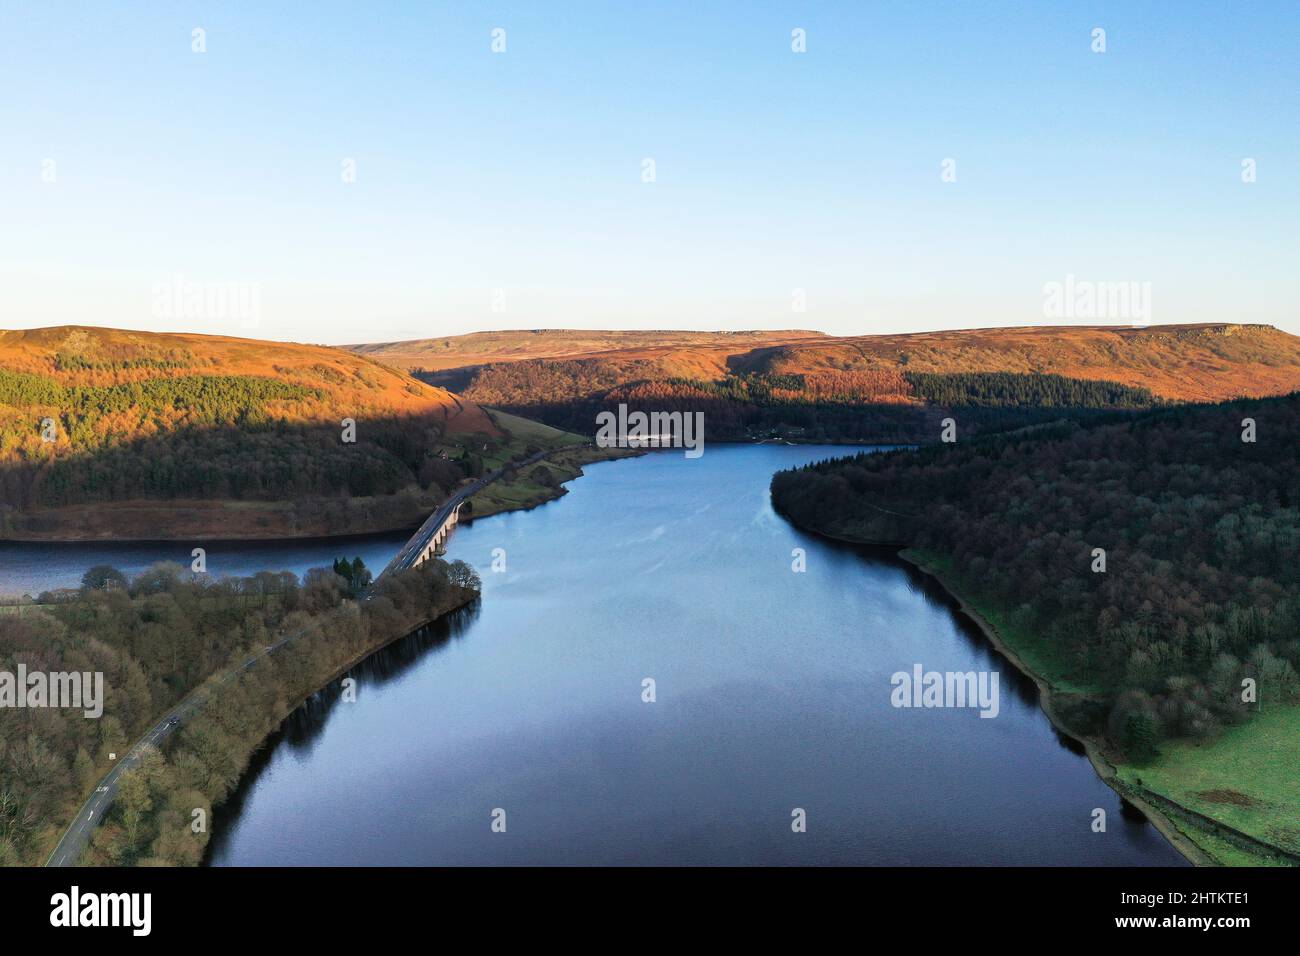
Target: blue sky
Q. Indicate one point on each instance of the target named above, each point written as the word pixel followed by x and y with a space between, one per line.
pixel 521 171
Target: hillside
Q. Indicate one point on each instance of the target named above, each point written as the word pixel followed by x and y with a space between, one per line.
pixel 1181 362
pixel 1196 363
pixel 888 387
pixel 100 427
pixel 482 348
pixel 86 357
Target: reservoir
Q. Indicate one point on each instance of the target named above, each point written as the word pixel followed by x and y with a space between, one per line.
pixel 667 578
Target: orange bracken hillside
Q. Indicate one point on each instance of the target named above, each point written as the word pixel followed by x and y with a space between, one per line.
pixel 1184 362
pixel 1205 362
pixel 110 433
pixel 342 383
pixel 687 354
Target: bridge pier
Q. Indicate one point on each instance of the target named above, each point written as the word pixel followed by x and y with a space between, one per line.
pixel 439 536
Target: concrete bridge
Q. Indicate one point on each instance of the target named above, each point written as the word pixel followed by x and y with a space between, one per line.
pixel 425 543
pixel 437 527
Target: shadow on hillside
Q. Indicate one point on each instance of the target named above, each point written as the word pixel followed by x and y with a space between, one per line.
pixel 267 461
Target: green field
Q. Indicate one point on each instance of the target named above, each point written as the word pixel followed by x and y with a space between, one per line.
pixel 541 482
pixel 1248 778
pixel 533 484
pixel 520 437
pixel 526 430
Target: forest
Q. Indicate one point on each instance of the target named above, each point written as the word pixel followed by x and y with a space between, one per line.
pixel 156 638
pixel 1152 555
pixel 882 405
pixel 289 438
pixel 1013 389
pixel 204 437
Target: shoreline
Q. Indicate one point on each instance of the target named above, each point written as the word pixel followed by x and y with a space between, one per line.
pixel 200 692
pixel 1163 812
pixel 272 539
pixel 1103 767
pixel 407 527
pixel 162 510
pixel 1163 823
pixel 356 661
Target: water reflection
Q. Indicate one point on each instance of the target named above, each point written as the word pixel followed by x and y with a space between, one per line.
pixel 306 724
pixel 773 693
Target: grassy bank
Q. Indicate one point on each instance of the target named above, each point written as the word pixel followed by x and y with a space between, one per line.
pixel 528 486
pixel 541 482
pixel 1246 779
pixel 1228 801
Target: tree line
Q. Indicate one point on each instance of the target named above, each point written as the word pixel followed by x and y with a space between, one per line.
pixel 1017 389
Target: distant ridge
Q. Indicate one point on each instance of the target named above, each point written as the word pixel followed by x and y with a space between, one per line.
pixel 477 348
pixel 1193 362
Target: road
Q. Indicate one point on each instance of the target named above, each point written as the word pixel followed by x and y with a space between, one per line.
pixel 79 832
pixel 77 837
pixel 413 548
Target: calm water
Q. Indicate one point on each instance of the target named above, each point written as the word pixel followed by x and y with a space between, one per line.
pixel 773 692
pixel 30 568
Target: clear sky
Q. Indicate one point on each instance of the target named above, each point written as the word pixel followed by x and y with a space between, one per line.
pixel 129 161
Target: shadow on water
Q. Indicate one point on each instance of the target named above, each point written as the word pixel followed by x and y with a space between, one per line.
pixel 1011 678
pixel 1130 813
pixel 1021 686
pixel 307 722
